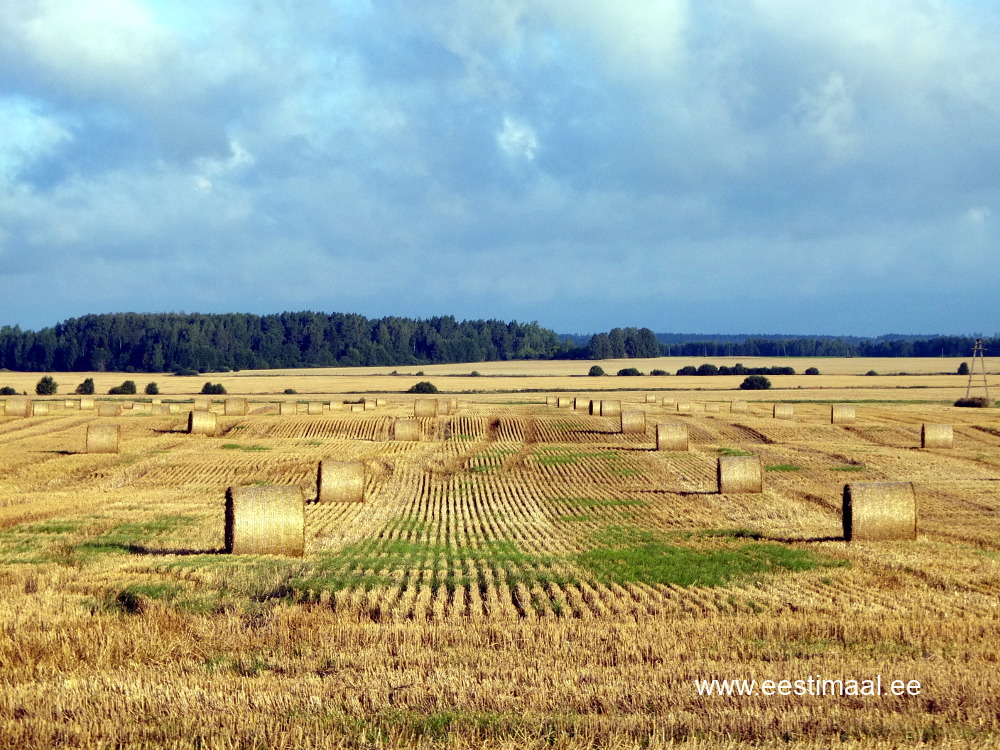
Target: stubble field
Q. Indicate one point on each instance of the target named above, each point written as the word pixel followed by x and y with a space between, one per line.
pixel 523 576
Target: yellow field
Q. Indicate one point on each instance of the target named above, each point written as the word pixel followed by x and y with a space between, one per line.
pixel 523 576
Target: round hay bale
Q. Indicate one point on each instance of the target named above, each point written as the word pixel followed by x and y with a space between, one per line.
pixel 109 409
pixel 842 414
pixel 595 408
pixel 265 520
pixel 668 401
pixel 357 407
pixel 611 408
pixel 340 482
pixel 740 474
pixel 103 438
pixel 650 398
pixel 17 406
pixel 879 511
pixel 633 421
pixel 406 430
pixel 672 436
pixel 551 401
pixel 173 408
pixel 86 403
pixel 315 407
pixel 683 407
pixel 564 402
pixel 156 400
pixel 201 404
pixel 234 407
pixel 160 409
pixel 936 436
pixel 336 406
pixel 425 407
pixel 380 402
pixel 738 407
pixel 71 404
pixel 39 408
pixel 783 411
pixel 288 408
pixel 369 405
pixel 713 407
pixel 582 404
pixel 202 423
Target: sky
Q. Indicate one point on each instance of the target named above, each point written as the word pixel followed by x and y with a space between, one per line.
pixel 734 166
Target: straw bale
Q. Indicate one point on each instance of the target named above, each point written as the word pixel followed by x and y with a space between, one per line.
pixel 683 407
pixel 314 407
pixel 17 406
pixel 650 398
pixel 633 421
pixel 201 404
pixel 879 511
pixel 369 405
pixel 109 409
pixel 740 474
pixel 202 423
pixel 672 436
pixel 39 408
pixel 936 436
pixel 86 403
pixel 783 411
pixel 288 408
pixel 71 404
pixel 406 429
pixel 551 401
pixel 173 408
pixel 265 520
pixel 668 401
pixel 713 407
pixel 340 482
pixel 235 407
pixel 156 400
pixel 336 406
pixel 380 402
pixel 160 409
pixel 564 402
pixel 595 408
pixel 611 408
pixel 357 407
pixel 581 404
pixel 738 407
pixel 425 407
pixel 103 438
pixel 842 414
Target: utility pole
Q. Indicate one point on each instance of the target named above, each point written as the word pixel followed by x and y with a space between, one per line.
pixel 977 354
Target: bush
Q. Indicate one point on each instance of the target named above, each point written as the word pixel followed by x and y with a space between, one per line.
pixel 46 386
pixel 707 369
pixel 812 371
pixel 152 389
pixel 86 388
pixel 7 391
pixel 125 389
pixel 186 372
pixel 290 391
pixel 658 372
pixel 475 374
pixel 213 389
pixel 963 369
pixel 755 383
pixel 629 371
pixel 423 387
pixel 977 402
pixel 595 371
pixel 688 370
pixel 871 372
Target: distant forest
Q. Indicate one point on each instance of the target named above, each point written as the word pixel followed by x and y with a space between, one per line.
pixel 159 342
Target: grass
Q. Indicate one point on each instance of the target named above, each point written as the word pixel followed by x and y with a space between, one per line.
pixel 251 448
pixel 733 452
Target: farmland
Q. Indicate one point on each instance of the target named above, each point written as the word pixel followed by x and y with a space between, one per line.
pixel 521 576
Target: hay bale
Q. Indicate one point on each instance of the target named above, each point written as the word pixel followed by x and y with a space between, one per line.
pixel 173 408
pixel 650 398
pixel 234 407
pixel 668 401
pixel 340 482
pixel 672 436
pixel 783 411
pixel 109 409
pixel 842 414
pixel 406 430
pixel 738 407
pixel 380 402
pixel 713 407
pixel 336 406
pixel 103 438
pixel 879 511
pixel 39 408
pixel 86 404
pixel 71 404
pixel 595 408
pixel 201 404
pixel 425 407
pixel 581 404
pixel 156 400
pixel 160 409
pixel 683 407
pixel 265 520
pixel 369 405
pixel 551 401
pixel 357 407
pixel 740 474
pixel 633 421
pixel 936 436
pixel 564 402
pixel 316 407
pixel 288 408
pixel 611 408
pixel 17 406
pixel 202 423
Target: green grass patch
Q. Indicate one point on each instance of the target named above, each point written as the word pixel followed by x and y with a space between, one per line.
pixel 238 447
pixel 582 518
pixel 782 467
pixel 733 452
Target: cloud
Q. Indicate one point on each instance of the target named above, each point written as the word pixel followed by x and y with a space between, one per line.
pixel 517 139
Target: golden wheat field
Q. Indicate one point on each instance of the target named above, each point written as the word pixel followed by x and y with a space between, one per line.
pixel 523 575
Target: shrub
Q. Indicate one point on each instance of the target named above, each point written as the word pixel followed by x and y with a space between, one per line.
pixel 978 402
pixel 595 371
pixel 629 371
pixel 963 369
pixel 152 389
pixel 871 372
pixel 475 374
pixel 86 388
pixel 290 391
pixel 657 372
pixel 213 389
pixel 125 389
pixel 689 370
pixel 47 386
pixel 7 391
pixel 707 369
pixel 423 387
pixel 755 383
pixel 812 371
pixel 185 372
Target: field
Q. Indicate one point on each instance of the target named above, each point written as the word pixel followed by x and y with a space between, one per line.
pixel 522 576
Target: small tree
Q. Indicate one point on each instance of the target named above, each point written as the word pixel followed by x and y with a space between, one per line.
pixel 86 388
pixel 755 383
pixel 213 389
pixel 629 371
pixel 125 389
pixel 657 372
pixel 423 386
pixel 7 391
pixel 963 369
pixel 152 389
pixel 596 371
pixel 812 371
pixel 707 369
pixel 47 386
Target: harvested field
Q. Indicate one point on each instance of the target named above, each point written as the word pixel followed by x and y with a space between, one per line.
pixel 521 576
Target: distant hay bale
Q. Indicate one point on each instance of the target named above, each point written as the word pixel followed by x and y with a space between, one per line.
pixel 425 407
pixel 842 414
pixel 288 408
pixel 71 404
pixel 453 406
pixel 340 482
pixel 39 408
pixel 202 423
pixel 369 405
pixel 738 407
pixel 879 511
pixel 380 402
pixel 633 421
pixel 582 404
pixel 595 408
pixel 17 406
pixel 783 411
pixel 611 408
pixel 668 401
pixel 357 407
pixel 447 406
pixel 740 474
pixel 156 400
pixel 265 520
pixel 672 436
pixel 406 430
pixel 86 403
pixel 315 407
pixel 683 407
pixel 650 398
pixel 713 407
pixel 336 406
pixel 551 401
pixel 109 409
pixel 103 438
pixel 564 402
pixel 173 408
pixel 235 407
pixel 160 409
pixel 936 436
pixel 202 404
